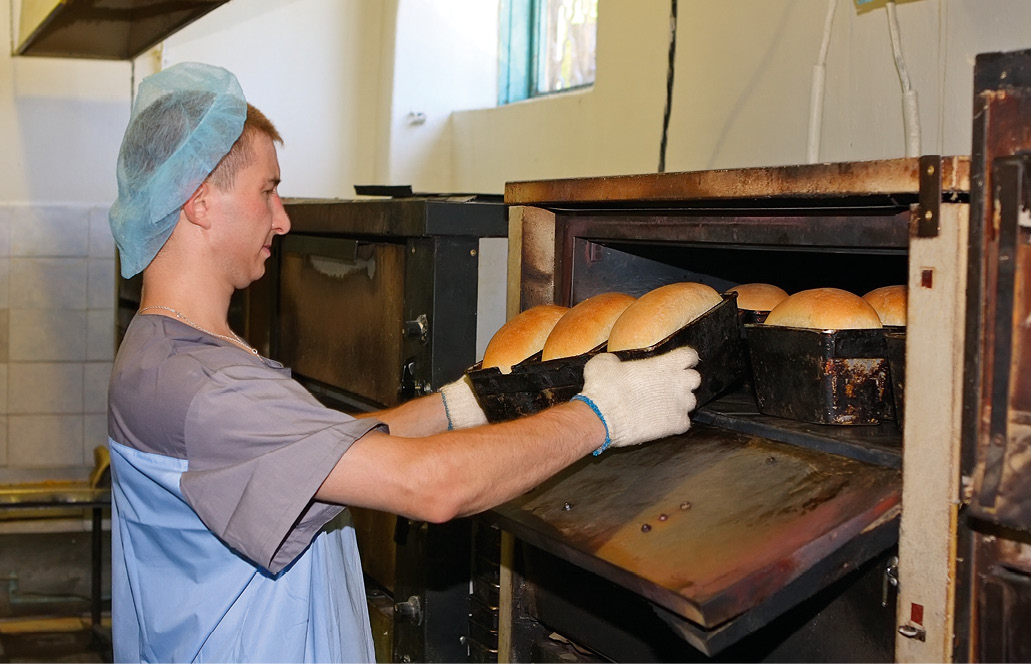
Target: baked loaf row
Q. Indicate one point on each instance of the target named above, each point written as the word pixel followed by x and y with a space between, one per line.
pixel 626 322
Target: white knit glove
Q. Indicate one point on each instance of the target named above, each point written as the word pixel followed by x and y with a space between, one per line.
pixel 641 400
pixel 460 404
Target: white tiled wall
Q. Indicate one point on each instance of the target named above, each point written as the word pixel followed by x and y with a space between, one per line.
pixel 57 339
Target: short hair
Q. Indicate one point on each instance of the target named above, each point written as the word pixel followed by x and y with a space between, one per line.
pixel 224 174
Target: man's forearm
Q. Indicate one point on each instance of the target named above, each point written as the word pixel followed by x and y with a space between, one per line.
pixel 424 416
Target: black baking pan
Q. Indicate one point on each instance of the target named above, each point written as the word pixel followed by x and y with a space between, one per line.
pixel 749 317
pixel 820 376
pixel 752 316
pixel 895 347
pixel 534 385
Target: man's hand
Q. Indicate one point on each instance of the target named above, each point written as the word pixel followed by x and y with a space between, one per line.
pixel 641 400
pixel 463 410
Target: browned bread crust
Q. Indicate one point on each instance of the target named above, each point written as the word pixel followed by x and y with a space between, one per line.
pixel 758 297
pixel 521 337
pixel 890 304
pixel 585 325
pixel 659 313
pixel 825 309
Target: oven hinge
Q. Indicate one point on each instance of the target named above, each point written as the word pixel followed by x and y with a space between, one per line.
pixel 928 210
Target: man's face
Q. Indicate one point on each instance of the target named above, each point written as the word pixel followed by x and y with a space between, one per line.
pixel 249 215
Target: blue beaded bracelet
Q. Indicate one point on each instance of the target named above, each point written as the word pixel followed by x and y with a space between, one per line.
pixel 597 411
pixel 447 412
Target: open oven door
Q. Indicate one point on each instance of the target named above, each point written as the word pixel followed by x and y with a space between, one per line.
pixel 993 599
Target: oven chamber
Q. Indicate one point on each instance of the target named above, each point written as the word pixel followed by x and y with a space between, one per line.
pixel 750 537
pixel 370 302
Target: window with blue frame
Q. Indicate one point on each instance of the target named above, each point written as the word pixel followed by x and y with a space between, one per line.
pixel 545 46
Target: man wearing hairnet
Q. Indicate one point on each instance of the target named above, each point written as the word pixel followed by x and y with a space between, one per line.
pixel 231 541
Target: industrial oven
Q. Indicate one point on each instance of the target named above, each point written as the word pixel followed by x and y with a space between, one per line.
pixel 370 302
pixel 760 538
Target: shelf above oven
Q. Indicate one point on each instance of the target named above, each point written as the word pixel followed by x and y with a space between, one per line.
pixel 869 180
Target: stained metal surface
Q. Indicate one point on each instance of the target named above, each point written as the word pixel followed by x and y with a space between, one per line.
pixel 340 313
pixel 821 376
pixel 993 559
pixel 895 346
pixel 890 176
pixel 709 524
pixel 420 216
pixel 1001 486
pixel 102 29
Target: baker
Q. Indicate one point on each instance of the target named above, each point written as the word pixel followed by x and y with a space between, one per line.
pixel 231 541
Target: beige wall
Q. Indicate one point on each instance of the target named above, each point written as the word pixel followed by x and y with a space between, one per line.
pixel 320 69
pixel 741 93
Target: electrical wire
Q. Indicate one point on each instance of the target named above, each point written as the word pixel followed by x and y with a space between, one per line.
pixel 669 85
pixel 816 89
pixel 910 109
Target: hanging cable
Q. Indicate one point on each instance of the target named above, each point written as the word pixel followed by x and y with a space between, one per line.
pixel 910 109
pixel 669 84
pixel 816 90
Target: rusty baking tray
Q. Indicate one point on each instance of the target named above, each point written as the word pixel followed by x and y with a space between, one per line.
pixel 722 530
pixel 820 376
pixel 534 385
pixel 895 347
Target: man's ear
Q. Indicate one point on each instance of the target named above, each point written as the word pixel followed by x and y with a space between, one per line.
pixel 197 206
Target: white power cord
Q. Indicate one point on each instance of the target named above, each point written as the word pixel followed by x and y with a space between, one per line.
pixel 816 89
pixel 910 109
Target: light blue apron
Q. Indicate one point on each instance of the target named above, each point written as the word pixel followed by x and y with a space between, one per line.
pixel 179 594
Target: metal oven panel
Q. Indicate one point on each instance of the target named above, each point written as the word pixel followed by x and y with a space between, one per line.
pixel 379 300
pixel 340 306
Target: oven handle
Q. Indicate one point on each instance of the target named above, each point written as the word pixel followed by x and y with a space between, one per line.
pixel 333 257
pixel 332 248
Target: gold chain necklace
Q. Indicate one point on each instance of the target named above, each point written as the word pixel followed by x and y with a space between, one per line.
pixel 234 339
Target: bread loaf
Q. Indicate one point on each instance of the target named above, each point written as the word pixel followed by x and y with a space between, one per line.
pixel 890 304
pixel 825 309
pixel 659 313
pixel 521 337
pixel 758 297
pixel 585 325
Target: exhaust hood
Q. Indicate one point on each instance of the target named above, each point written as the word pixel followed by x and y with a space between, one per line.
pixel 102 29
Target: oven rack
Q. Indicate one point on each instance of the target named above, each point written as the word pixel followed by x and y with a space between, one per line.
pixel 879 444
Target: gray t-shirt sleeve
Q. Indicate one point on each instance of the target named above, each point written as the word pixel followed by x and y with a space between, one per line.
pixel 259 446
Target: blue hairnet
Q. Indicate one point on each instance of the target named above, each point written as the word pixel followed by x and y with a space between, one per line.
pixel 185 119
